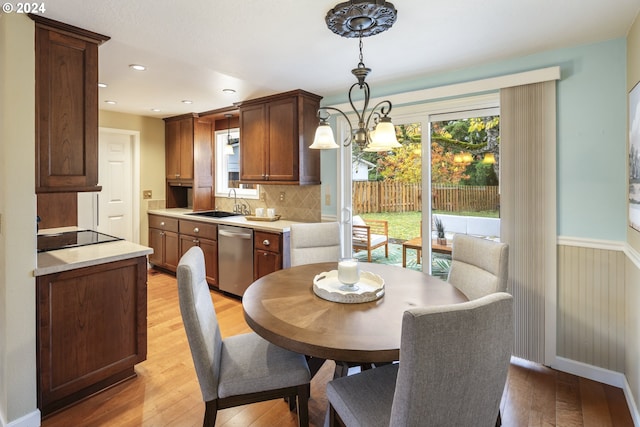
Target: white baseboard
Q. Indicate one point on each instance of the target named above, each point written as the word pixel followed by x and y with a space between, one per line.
pixel 631 403
pixel 32 419
pixel 591 372
pixel 601 375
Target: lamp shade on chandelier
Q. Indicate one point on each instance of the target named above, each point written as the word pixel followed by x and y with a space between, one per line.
pixel 375 131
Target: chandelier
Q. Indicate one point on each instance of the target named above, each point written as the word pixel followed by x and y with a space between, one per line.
pixel 375 132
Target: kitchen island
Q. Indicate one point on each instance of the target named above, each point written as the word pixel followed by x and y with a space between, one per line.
pixel 91 319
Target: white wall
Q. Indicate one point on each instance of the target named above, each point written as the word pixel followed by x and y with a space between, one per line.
pixel 18 225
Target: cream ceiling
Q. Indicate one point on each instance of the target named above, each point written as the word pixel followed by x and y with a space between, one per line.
pixel 196 48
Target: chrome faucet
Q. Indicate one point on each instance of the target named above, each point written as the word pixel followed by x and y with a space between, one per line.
pixel 244 208
pixel 241 208
pixel 235 199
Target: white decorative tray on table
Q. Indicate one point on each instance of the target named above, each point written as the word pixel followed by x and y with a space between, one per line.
pixel 370 287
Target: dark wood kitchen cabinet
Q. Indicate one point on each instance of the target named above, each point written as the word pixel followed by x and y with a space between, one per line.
pixel 275 134
pixel 204 235
pixel 271 253
pixel 163 238
pixel 189 161
pixel 66 107
pixel 179 148
pixel 91 329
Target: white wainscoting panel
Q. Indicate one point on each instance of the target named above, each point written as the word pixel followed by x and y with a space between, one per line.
pixel 591 306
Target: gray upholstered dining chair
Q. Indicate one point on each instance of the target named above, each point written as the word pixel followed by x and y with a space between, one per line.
pixel 479 266
pixel 240 369
pixel 454 361
pixel 314 242
pixel 311 243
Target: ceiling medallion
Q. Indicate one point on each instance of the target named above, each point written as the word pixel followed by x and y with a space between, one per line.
pixel 361 18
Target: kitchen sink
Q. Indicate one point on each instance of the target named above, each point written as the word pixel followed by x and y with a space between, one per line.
pixel 214 214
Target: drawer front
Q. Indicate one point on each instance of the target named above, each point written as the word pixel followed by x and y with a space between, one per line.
pixel 199 229
pixel 267 241
pixel 163 223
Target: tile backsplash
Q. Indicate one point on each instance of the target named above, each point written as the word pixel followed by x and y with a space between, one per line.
pixel 301 203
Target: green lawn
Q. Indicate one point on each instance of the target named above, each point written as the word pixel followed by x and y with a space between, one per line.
pixel 406 225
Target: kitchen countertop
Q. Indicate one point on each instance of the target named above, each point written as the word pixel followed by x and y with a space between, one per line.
pixel 85 256
pixel 279 226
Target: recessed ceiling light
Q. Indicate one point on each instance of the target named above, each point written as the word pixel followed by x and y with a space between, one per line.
pixel 110 102
pixel 138 67
pixel 156 110
pixel 187 101
pixel 229 90
pixel 102 85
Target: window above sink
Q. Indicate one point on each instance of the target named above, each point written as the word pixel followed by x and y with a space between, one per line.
pixel 228 167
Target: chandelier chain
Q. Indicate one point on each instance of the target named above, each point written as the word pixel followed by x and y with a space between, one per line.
pixel 360 44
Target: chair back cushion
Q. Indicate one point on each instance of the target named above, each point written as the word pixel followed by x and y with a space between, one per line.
pixel 479 266
pixel 314 242
pixel 454 362
pixel 200 321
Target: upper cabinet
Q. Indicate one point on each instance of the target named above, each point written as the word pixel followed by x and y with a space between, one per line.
pixel 189 162
pixel 66 107
pixel 275 134
pixel 179 132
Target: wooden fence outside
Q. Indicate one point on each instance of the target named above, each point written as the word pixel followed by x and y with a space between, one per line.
pixel 382 196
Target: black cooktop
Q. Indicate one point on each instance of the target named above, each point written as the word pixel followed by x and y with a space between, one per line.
pixel 72 239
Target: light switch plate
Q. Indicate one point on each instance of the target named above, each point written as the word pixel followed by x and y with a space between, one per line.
pixel 146 194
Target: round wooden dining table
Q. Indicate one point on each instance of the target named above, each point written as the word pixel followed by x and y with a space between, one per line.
pixel 283 308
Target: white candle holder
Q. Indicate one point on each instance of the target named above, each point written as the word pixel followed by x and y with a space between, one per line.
pixel 349 273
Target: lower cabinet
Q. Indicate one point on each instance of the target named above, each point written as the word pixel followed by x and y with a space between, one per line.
pixel 271 253
pixel 91 329
pixel 204 235
pixel 171 237
pixel 163 238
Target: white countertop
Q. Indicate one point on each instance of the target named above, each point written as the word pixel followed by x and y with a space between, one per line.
pixel 85 256
pixel 279 226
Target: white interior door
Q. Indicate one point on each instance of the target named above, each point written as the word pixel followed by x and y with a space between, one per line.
pixel 115 207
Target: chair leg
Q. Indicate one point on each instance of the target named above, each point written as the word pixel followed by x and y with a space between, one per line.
pixel 332 416
pixel 314 363
pixel 291 400
pixel 210 413
pixel 369 254
pixel 303 405
pixel 386 250
pixel 499 420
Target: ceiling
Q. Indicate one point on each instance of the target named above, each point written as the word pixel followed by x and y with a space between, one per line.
pixel 194 49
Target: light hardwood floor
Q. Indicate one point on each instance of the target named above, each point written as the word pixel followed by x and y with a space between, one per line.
pixel 166 391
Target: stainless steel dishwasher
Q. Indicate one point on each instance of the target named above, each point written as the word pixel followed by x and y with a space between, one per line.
pixel 235 258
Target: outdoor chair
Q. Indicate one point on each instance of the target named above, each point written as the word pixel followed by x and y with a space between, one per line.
pixel 241 369
pixel 370 234
pixel 479 266
pixel 453 367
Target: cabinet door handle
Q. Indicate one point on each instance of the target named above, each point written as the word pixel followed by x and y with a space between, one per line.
pixel 196 241
pixel 177 175
pixel 162 224
pixel 196 230
pixel 162 233
pixel 266 242
pixel 265 254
